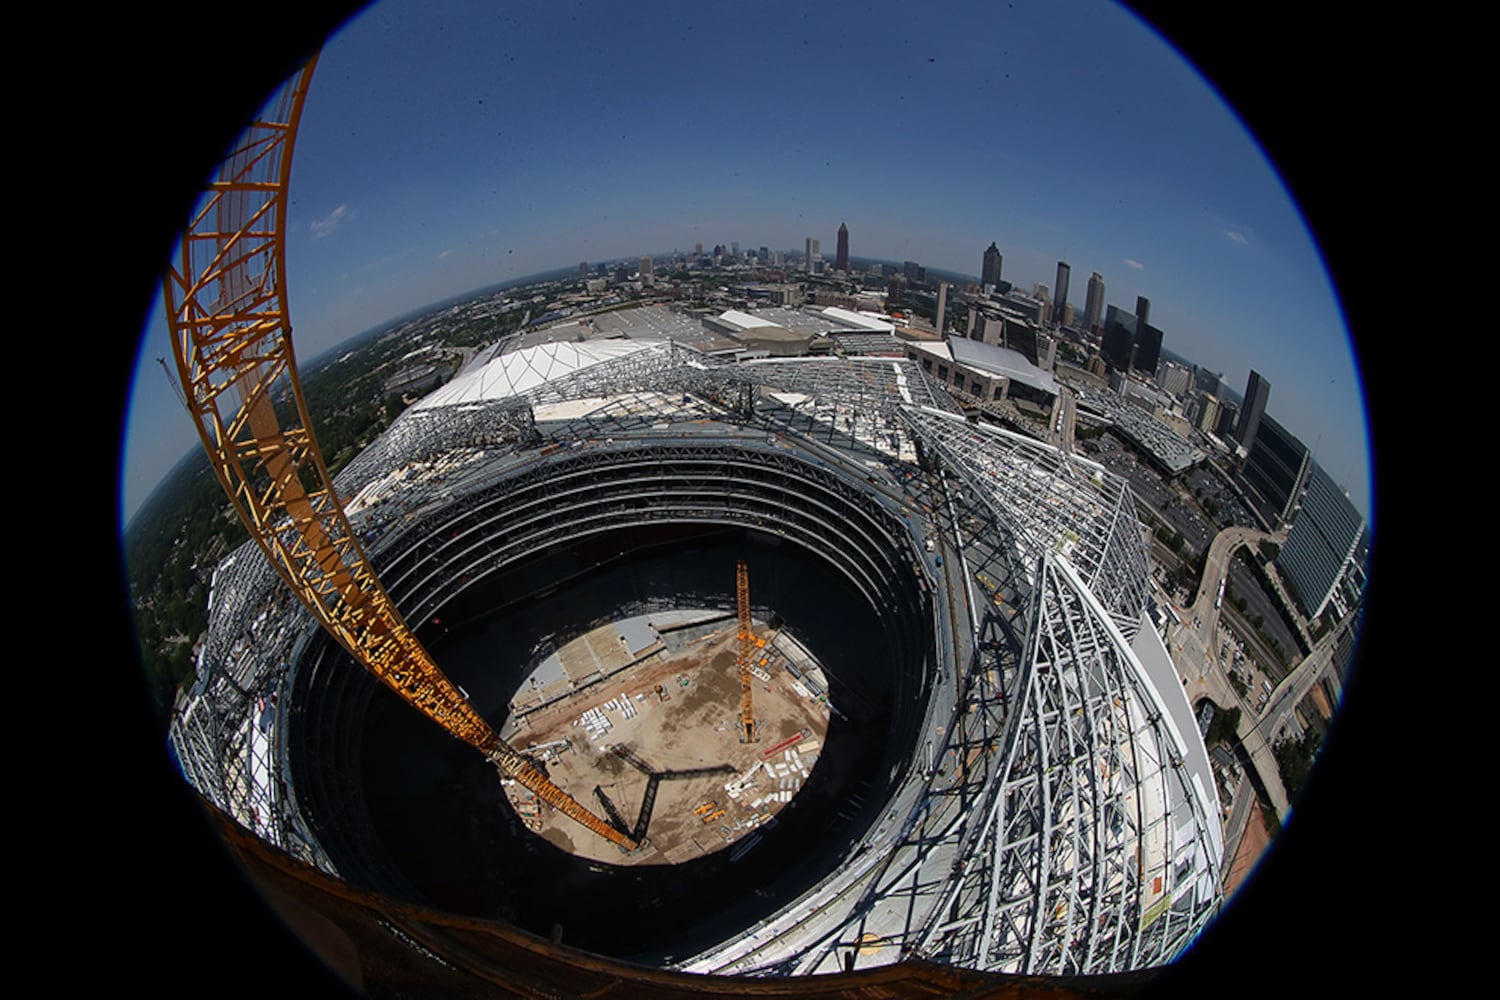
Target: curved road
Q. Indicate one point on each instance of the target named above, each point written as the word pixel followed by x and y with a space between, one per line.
pixel 1192 643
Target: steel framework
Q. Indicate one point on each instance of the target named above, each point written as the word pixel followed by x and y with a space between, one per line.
pixel 1092 849
pixel 1050 502
pixel 225 297
pixel 1062 834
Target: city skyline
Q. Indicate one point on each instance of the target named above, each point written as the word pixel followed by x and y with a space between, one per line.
pixel 412 185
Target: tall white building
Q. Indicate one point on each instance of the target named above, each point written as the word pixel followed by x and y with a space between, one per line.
pixel 1175 378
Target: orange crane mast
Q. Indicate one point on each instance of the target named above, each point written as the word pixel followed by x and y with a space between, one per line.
pixel 747 650
pixel 225 298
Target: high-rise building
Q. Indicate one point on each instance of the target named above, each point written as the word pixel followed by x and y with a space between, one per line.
pixel 1021 336
pixel 698 249
pixel 813 254
pixel 1229 415
pixel 1275 471
pixel 939 320
pixel 765 255
pixel 1207 410
pixel 841 259
pixel 1207 381
pixel 1257 391
pixel 986 325
pixel 989 274
pixel 643 265
pixel 895 292
pixel 583 269
pixel 1142 313
pixel 1118 343
pixel 1174 378
pixel 1147 352
pixel 1093 304
pixel 1322 545
pixel 1060 300
pixel 915 273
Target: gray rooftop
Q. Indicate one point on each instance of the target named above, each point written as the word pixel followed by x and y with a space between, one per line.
pixel 661 323
pixel 1001 361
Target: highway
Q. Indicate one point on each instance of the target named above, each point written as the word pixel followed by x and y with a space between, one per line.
pixel 1216 567
pixel 1192 646
pixel 1064 419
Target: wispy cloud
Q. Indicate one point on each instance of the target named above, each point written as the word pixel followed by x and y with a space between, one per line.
pixel 1236 235
pixel 444 254
pixel 1135 264
pixel 326 225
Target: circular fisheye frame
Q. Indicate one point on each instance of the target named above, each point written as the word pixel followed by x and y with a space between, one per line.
pixel 703 528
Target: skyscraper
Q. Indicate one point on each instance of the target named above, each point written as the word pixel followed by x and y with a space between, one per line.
pixel 1118 342
pixel 1147 353
pixel 841 260
pixel 643 265
pixel 812 254
pixel 1060 300
pixel 1207 381
pixel 1093 304
pixel 1257 391
pixel 895 292
pixel 1142 313
pixel 990 273
pixel 1275 471
pixel 1324 537
pixel 941 315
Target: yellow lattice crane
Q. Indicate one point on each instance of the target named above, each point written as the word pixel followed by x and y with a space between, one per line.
pixel 225 296
pixel 747 651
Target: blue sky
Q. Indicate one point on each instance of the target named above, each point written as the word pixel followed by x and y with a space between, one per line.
pixel 451 144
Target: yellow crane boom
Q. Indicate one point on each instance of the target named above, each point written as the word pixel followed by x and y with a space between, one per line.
pixel 747 650
pixel 225 297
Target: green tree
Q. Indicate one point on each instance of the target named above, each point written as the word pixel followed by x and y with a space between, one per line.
pixel 1294 760
pixel 1225 726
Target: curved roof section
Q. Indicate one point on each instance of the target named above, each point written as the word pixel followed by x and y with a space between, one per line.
pixel 1098 851
pixel 1051 502
pixel 520 372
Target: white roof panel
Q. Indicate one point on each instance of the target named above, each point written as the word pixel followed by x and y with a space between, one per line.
pixel 861 320
pixel 521 371
pixel 743 320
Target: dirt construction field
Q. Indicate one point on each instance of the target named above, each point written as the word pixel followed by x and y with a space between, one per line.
pixel 696 726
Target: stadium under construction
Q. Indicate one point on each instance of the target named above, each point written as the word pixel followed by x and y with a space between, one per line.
pixel 1012 778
